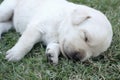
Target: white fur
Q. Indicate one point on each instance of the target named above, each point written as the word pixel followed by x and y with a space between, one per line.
pixel 61 25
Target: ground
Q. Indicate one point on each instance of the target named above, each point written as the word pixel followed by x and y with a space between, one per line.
pixel 35 67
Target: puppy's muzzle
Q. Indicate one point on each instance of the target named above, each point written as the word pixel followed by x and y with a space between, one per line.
pixel 72 53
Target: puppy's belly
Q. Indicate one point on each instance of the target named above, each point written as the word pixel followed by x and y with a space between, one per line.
pixel 20 23
pixel 24 13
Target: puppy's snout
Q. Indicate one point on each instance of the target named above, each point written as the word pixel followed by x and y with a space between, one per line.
pixel 75 55
pixel 73 52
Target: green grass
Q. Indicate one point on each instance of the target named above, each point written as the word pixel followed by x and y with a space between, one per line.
pixel 35 67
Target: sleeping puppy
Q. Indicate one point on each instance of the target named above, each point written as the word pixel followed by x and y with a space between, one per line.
pixel 77 31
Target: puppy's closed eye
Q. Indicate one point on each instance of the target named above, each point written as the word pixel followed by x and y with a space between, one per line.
pixel 86 36
pixel 86 39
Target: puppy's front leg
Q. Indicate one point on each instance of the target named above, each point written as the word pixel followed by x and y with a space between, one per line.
pixel 24 45
pixel 52 52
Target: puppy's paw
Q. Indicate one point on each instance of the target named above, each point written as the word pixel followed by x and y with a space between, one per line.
pixel 13 55
pixel 52 57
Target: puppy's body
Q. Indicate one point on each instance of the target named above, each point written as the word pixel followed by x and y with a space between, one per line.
pixel 78 31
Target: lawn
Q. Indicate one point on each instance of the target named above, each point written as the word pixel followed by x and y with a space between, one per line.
pixel 35 67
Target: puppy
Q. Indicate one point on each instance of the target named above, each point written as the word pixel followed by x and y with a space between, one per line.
pixel 77 31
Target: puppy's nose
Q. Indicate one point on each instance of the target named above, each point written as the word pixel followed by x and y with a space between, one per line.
pixel 77 56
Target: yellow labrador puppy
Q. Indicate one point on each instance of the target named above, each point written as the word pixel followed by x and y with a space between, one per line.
pixel 77 31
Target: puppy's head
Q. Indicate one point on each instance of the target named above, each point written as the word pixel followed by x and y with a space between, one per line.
pixel 78 41
pixel 74 46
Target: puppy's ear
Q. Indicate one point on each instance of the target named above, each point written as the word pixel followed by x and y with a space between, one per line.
pixel 79 15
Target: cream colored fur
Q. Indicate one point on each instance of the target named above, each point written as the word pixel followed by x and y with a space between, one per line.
pixel 77 31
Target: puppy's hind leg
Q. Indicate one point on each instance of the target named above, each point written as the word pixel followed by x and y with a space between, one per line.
pixel 5 26
pixel 6 12
pixel 6 9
